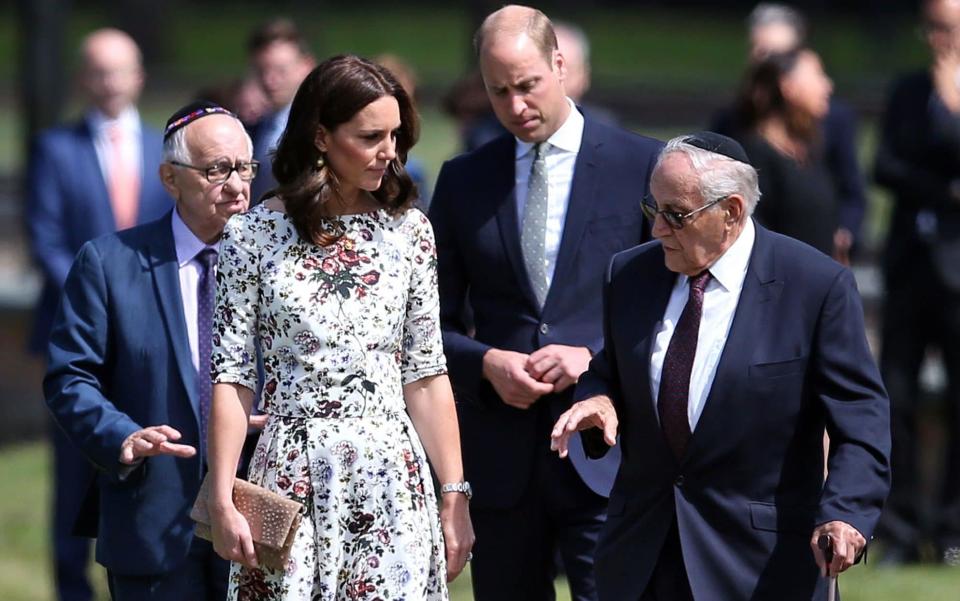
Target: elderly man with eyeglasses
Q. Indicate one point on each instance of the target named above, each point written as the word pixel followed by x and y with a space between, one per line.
pixel 129 364
pixel 728 350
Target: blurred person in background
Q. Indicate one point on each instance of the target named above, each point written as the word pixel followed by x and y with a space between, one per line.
pixel 469 106
pixel 281 59
pixel 784 98
pixel 86 179
pixel 244 97
pixel 408 79
pixel 128 379
pixel 525 228
pixel 777 28
pixel 574 45
pixel 918 160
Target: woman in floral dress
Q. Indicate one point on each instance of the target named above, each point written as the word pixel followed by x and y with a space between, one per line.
pixel 335 278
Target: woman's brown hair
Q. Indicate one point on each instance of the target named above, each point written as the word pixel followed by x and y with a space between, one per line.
pixel 761 97
pixel 330 96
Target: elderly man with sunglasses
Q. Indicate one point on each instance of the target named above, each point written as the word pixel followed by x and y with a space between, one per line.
pixel 728 351
pixel 129 364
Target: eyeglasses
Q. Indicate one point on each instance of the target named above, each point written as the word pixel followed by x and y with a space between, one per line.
pixel 221 172
pixel 674 219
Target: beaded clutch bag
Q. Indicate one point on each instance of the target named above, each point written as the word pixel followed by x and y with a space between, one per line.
pixel 273 520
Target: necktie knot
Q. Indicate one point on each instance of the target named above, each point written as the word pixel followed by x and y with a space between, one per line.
pixel 698 283
pixel 207 258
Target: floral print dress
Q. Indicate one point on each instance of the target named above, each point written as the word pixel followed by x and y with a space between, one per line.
pixel 342 328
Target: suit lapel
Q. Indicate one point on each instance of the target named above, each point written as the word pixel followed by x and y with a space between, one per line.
pixel 578 207
pixel 651 298
pixel 161 259
pixel 503 191
pixel 754 314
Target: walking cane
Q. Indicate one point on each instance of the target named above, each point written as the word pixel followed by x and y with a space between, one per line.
pixel 826 546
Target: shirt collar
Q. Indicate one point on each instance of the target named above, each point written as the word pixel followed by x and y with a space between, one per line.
pixel 731 268
pixel 566 138
pixel 128 119
pixel 187 244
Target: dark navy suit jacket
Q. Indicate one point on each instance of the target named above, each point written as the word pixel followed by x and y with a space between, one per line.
pixel 481 269
pixel 68 204
pixel 119 360
pixel 750 489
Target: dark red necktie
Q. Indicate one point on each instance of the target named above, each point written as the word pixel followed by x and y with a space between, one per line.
pixel 206 298
pixel 677 364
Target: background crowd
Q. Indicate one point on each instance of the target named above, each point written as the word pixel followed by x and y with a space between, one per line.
pixel 802 138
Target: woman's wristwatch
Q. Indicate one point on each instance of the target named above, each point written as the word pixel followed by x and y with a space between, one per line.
pixel 460 487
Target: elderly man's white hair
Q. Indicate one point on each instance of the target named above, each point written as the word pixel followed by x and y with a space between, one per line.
pixel 719 175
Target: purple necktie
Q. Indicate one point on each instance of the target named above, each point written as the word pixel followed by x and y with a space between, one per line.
pixel 206 297
pixel 677 364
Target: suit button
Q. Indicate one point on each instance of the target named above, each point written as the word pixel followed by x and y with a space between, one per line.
pixel 544 329
pixel 679 481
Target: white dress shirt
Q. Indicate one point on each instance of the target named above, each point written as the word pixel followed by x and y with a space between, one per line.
pixel 129 122
pixel 188 247
pixel 560 153
pixel 719 305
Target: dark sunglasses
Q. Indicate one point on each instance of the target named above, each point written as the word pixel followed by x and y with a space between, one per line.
pixel 675 219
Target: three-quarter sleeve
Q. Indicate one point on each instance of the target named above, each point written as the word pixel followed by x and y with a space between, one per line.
pixel 233 358
pixel 422 343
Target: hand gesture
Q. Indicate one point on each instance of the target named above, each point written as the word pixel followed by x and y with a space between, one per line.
pixel 558 364
pixel 506 371
pixel 151 441
pixel 595 412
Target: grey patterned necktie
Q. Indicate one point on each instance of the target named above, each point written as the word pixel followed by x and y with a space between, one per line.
pixel 534 229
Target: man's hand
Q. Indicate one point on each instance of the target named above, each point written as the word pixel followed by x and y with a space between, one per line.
pixel 595 412
pixel 154 440
pixel 847 545
pixel 506 370
pixel 558 365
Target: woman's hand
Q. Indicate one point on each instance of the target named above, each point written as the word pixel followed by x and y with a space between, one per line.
pixel 457 532
pixel 231 535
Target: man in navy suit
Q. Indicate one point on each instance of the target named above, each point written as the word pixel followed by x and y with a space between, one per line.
pixel 728 351
pixel 84 180
pixel 524 226
pixel 128 378
pixel 281 60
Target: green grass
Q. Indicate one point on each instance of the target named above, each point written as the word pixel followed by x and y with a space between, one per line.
pixel 25 569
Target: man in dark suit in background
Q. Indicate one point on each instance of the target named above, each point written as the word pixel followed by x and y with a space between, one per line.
pixel 775 28
pixel 918 160
pixel 281 59
pixel 84 180
pixel 129 364
pixel 727 351
pixel 524 226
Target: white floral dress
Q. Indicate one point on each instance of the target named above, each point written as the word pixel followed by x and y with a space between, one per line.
pixel 342 328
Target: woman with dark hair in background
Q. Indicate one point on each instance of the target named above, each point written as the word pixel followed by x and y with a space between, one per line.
pixel 335 278
pixel 781 107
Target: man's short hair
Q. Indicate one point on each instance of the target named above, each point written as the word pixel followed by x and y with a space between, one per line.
pixel 537 27
pixel 771 13
pixel 276 30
